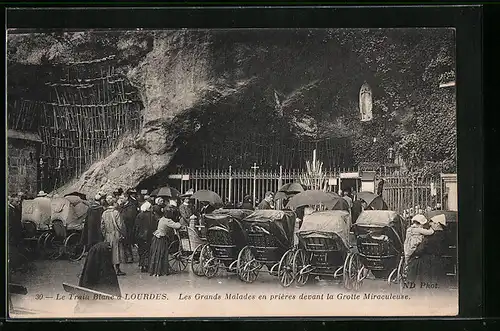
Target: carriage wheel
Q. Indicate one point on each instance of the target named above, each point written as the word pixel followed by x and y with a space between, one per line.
pixel 73 247
pixel 355 266
pixel 52 247
pixel 197 261
pixel 285 269
pixel 299 261
pixel 345 273
pixel 401 274
pixel 205 255
pixel 40 243
pixel 247 268
pixel 176 261
pixel 210 266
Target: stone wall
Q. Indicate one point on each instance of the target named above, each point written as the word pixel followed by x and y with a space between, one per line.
pixel 22 166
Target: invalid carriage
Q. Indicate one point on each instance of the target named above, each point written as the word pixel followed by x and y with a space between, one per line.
pixel 68 216
pixel 36 219
pixel 380 236
pixel 270 244
pixel 211 246
pixel 324 249
pixel 225 239
pixel 56 224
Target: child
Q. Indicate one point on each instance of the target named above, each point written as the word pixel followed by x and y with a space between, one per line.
pixel 415 234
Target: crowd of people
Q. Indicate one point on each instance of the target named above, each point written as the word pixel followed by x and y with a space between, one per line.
pixel 122 220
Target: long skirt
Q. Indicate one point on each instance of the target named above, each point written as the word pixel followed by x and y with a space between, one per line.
pixel 143 251
pixel 426 268
pixel 158 257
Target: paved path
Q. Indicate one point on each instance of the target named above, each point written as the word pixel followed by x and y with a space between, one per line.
pixel 44 286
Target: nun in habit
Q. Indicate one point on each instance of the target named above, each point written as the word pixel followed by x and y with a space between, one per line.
pixel 99 275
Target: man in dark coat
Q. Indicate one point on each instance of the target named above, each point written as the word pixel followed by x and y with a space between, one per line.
pixel 145 225
pixel 92 229
pixel 357 208
pixel 266 203
pixel 14 221
pixel 380 187
pixel 129 212
pixel 247 203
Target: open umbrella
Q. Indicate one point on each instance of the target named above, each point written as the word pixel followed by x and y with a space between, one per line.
pixel 281 196
pixel 314 197
pixel 78 194
pixel 292 188
pixel 207 196
pixel 166 191
pixel 373 200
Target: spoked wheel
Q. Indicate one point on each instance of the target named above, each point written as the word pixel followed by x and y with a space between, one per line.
pixel 299 261
pixel 74 249
pixel 210 266
pixel 40 244
pixel 354 268
pixel 397 276
pixel 176 260
pixel 53 247
pixel 197 261
pixel 401 274
pixel 205 256
pixel 247 267
pixel 345 273
pixel 285 269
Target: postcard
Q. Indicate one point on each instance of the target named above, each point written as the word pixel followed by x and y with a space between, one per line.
pixel 232 173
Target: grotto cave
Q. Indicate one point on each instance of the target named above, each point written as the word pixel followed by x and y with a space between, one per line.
pixel 129 108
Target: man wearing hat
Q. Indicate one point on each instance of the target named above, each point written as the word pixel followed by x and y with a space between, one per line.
pixel 129 211
pixel 14 220
pixel 186 209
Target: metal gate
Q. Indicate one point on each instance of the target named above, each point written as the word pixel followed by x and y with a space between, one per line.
pixel 232 185
pixel 410 196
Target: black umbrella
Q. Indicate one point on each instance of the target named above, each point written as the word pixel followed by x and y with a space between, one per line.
pixel 78 194
pixel 207 196
pixel 372 200
pixel 315 197
pixel 292 188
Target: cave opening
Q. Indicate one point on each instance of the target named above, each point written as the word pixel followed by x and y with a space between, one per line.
pixel 231 137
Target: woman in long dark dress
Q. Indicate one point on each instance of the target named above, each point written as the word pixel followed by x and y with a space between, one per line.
pixel 99 275
pixel 158 258
pixel 91 234
pixel 426 264
pixel 146 224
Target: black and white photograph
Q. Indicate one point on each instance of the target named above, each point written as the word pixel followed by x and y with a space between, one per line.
pixel 176 173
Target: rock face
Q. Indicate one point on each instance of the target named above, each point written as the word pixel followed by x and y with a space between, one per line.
pixel 189 80
pixel 175 80
pixel 172 79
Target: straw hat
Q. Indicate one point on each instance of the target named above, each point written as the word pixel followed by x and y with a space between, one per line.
pixel 41 194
